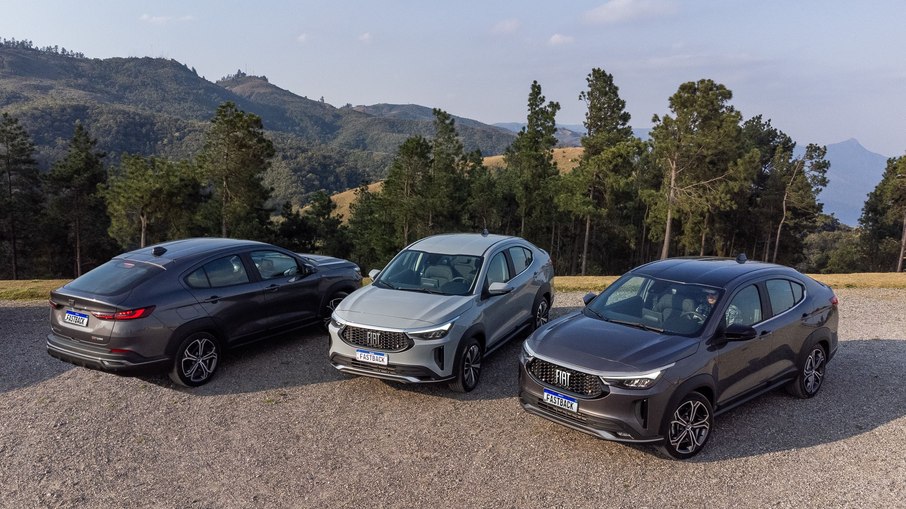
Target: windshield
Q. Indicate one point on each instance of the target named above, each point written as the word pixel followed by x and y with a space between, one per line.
pixel 420 271
pixel 655 304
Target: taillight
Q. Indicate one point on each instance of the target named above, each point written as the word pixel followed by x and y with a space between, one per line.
pixel 835 301
pixel 54 304
pixel 130 314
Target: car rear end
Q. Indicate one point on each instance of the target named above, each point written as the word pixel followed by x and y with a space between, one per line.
pixel 101 320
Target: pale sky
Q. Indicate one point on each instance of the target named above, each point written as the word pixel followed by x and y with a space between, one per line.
pixel 822 70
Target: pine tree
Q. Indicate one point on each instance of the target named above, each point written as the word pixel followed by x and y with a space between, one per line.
pixel 20 190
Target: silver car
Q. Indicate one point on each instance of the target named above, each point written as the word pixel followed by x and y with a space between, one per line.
pixel 440 306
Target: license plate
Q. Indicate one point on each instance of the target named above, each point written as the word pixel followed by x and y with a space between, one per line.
pixel 561 401
pixel 372 357
pixel 76 318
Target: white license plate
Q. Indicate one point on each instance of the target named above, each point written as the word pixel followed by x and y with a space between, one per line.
pixel 561 401
pixel 372 357
pixel 76 318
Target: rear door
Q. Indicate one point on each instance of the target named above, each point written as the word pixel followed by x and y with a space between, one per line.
pixel 786 297
pixel 290 288
pixel 229 294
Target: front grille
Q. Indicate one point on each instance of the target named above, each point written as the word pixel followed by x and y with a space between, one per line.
pixel 576 382
pixel 377 339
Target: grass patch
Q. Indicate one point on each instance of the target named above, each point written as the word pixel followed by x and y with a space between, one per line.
pixel 39 289
pixel 32 289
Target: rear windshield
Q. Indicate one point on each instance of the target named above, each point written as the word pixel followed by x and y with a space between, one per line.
pixel 114 277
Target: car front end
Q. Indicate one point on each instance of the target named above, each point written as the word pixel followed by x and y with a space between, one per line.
pixel 373 333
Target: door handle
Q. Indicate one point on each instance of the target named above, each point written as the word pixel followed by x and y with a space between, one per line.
pixel 764 333
pixel 211 300
pixel 272 288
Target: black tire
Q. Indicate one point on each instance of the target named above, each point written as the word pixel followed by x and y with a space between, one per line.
pixel 467 367
pixel 541 312
pixel 329 306
pixel 196 360
pixel 687 426
pixel 811 373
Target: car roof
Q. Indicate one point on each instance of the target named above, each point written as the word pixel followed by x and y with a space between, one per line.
pixel 187 249
pixel 711 271
pixel 474 244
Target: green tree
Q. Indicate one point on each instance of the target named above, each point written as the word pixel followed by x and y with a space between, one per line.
pixel 530 162
pixel 235 156
pixel 405 188
pixel 76 183
pixel 372 230
pixel 151 198
pixel 608 156
pixel 801 179
pixel 446 186
pixel 20 190
pixel 884 217
pixel 696 149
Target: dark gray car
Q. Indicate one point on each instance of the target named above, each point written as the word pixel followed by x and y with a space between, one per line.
pixel 672 343
pixel 176 306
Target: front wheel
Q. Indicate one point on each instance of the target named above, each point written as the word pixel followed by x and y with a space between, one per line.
pixel 811 374
pixel 330 306
pixel 687 427
pixel 196 360
pixel 467 368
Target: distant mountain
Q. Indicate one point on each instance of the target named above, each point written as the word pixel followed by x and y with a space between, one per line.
pixel 854 172
pixel 154 106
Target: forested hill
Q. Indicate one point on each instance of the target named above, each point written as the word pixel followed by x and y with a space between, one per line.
pixel 158 106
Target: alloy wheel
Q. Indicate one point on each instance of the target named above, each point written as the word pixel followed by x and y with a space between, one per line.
pixel 542 314
pixel 813 371
pixel 199 359
pixel 471 366
pixel 689 428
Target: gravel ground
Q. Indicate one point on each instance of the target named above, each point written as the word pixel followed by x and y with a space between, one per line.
pixel 279 427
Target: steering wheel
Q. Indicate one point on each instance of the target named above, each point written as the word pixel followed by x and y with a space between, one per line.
pixel 458 279
pixel 694 316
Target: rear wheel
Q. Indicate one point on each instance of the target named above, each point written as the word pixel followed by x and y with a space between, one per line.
pixel 540 312
pixel 196 360
pixel 811 374
pixel 467 368
pixel 687 426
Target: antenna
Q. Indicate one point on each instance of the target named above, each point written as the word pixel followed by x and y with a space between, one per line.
pixel 741 258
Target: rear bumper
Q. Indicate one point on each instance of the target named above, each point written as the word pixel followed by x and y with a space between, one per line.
pixel 96 357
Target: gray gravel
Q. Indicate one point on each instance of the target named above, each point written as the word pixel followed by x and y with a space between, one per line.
pixel 278 427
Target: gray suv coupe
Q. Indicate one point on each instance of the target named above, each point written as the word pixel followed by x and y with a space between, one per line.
pixel 176 306
pixel 440 306
pixel 672 343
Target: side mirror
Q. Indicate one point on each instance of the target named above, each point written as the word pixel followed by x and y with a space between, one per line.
pixel 499 289
pixel 590 296
pixel 739 332
pixel 373 274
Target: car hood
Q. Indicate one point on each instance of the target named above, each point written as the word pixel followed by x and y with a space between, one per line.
pixel 596 346
pixel 400 309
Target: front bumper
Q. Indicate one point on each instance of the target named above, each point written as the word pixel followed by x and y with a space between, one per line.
pixel 620 415
pixel 422 361
pixel 101 358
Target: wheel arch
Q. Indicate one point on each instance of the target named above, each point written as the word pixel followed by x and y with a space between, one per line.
pixel 205 324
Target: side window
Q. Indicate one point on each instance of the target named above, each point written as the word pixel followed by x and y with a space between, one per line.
pixel 627 290
pixel 745 308
pixel 522 258
pixel 798 291
pixel 226 271
pixel 498 271
pixel 782 294
pixel 274 264
pixel 198 279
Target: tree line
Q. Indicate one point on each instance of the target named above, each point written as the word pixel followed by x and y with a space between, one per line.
pixel 708 182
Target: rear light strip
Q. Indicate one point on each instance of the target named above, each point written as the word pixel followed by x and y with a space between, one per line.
pixel 130 314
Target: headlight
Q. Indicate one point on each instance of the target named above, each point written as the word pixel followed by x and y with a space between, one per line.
pixel 336 322
pixel 433 332
pixel 527 352
pixel 634 380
